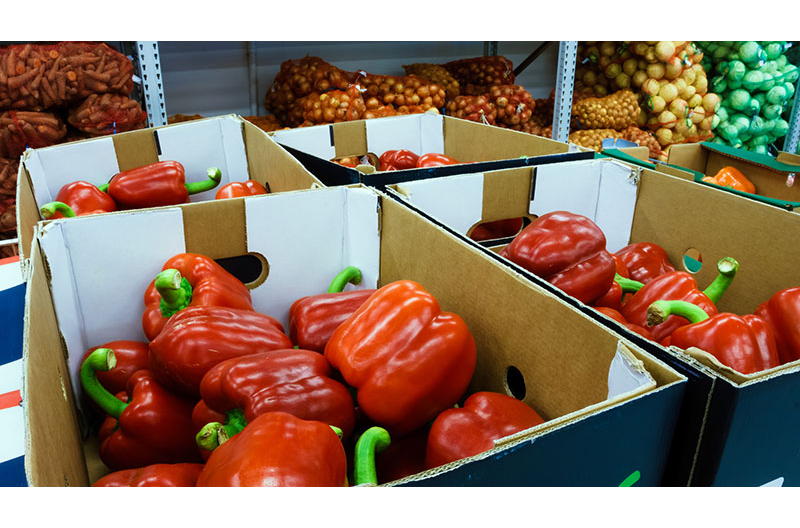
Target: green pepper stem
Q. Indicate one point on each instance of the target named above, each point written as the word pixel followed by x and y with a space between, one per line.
pixel 350 274
pixel 214 434
pixel 338 431
pixel 214 177
pixel 628 285
pixel 658 312
pixel 103 187
pixel 51 208
pixel 102 359
pixel 727 268
pixel 175 291
pixel 374 440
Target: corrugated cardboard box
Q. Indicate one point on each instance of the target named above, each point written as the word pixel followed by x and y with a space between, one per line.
pixel 734 429
pixel 480 147
pixel 610 406
pixel 239 149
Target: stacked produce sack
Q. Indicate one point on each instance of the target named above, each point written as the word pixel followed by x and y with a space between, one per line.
pixel 756 83
pixel 668 82
pixel 55 93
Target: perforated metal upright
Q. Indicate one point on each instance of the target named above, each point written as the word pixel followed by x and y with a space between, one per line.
pixel 149 65
pixel 565 80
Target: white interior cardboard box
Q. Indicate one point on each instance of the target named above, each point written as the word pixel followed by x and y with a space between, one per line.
pixel 239 149
pixel 743 426
pixel 480 147
pixel 611 403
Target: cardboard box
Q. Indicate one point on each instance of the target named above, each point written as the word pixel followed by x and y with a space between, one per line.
pixel 486 147
pixel 733 429
pixel 241 151
pixel 610 406
pixel 768 174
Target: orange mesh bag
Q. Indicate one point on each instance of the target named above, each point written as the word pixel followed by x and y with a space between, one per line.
pixel 101 115
pixel 382 90
pixel 20 129
pixel 182 118
pixel 36 77
pixel 380 111
pixel 644 139
pixel 329 107
pixel 476 108
pixel 8 215
pixel 8 177
pixel 593 138
pixel 299 78
pixel 267 123
pixel 416 109
pixel 514 104
pixel 436 74
pixel 617 111
pixel 482 71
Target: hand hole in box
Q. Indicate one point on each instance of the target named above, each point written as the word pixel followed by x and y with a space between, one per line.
pixel 515 383
pixel 497 229
pixel 252 269
pixel 692 260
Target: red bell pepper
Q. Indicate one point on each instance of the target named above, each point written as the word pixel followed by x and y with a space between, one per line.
pixel 313 319
pixel 154 426
pixel 295 381
pixel 182 475
pixel 77 199
pixel 614 296
pixel 157 184
pixel 745 345
pixel 618 317
pixel 278 449
pixel 678 286
pixel 485 417
pixel 568 251
pixel 129 357
pixel 198 337
pixel 407 358
pixel 645 261
pixel 237 189
pixel 404 457
pixel 435 160
pixel 398 160
pixel 782 313
pixel 189 279
pixel 733 178
pixel 496 229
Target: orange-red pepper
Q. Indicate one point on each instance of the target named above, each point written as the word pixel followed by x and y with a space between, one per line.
pixel 398 160
pixel 407 358
pixel 237 189
pixel 782 314
pixel 181 475
pixel 77 199
pixel 435 160
pixel 189 279
pixel 129 356
pixel 157 184
pixel 645 261
pixel 733 178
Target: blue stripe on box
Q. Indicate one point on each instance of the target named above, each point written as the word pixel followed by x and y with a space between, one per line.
pixel 12 313
pixel 12 473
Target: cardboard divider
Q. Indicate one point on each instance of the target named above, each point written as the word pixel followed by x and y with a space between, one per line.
pixel 565 358
pixel 134 150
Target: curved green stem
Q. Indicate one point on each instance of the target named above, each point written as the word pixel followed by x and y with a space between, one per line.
pixel 214 434
pixel 727 268
pixel 628 285
pixel 102 359
pixel 175 291
pixel 658 312
pixel 338 431
pixel 103 187
pixel 214 177
pixel 51 208
pixel 374 440
pixel 350 274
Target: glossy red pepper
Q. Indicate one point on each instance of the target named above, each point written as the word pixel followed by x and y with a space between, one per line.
pixel 154 426
pixel 398 160
pixel 622 269
pixel 613 298
pixel 618 317
pixel 157 184
pixel 313 319
pixel 198 337
pixel 407 358
pixel 496 229
pixel 472 429
pixel 733 340
pixel 568 251
pixel 435 160
pixel 77 199
pixel 678 286
pixel 278 449
pixel 189 279
pixel 782 313
pixel 237 189
pixel 405 456
pixel 182 475
pixel 129 356
pixel 645 261
pixel 295 381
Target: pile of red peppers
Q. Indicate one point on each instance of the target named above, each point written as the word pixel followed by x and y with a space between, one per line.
pixel 364 387
pixel 158 184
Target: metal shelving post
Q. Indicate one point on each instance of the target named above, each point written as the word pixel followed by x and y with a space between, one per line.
pixel 152 82
pixel 565 80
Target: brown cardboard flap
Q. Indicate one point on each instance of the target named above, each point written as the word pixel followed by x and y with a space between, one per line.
pixel 350 139
pixel 468 141
pixel 270 165
pixel 642 153
pixel 216 228
pixel 54 456
pixel 786 157
pixel 672 171
pixel 27 212
pixel 505 194
pixel 689 155
pixel 135 149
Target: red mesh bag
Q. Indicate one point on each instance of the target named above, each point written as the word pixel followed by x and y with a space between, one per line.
pixel 381 90
pixel 8 177
pixel 476 108
pixel 36 77
pixel 514 104
pixel 101 115
pixel 416 109
pixel 267 123
pixel 380 111
pixel 20 129
pixel 299 78
pixel 644 139
pixel 8 215
pixel 330 107
pixel 543 110
pixel 482 71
